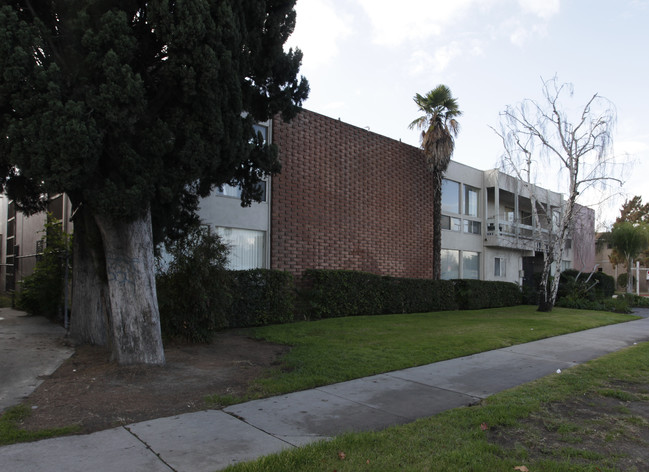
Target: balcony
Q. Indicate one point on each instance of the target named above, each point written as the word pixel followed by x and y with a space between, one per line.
pixel 513 235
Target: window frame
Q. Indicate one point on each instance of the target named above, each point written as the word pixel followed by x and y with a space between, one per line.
pixel 453 207
pixel 468 189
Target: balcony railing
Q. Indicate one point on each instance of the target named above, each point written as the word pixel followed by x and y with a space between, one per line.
pixel 514 235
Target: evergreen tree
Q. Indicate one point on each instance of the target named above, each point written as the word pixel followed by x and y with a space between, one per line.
pixel 136 109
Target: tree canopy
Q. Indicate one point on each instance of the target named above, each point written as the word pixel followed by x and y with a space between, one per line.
pixel 136 109
pixel 571 144
pixel 629 240
pixel 128 104
pixel 634 211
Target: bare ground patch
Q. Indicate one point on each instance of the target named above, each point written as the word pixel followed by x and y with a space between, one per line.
pixel 89 391
pixel 609 428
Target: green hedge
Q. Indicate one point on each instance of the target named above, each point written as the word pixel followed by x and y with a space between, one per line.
pixel 417 295
pixel 261 297
pixel 478 294
pixel 336 293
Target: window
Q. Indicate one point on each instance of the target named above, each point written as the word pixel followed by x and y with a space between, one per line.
pixel 247 248
pixel 473 227
pixel 450 196
pixel 263 130
pixel 450 264
pixel 499 267
pixel 471 200
pixel 470 265
pixel 566 265
pixel 451 223
pixel 235 191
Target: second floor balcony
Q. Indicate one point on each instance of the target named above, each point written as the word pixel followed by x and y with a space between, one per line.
pixel 512 234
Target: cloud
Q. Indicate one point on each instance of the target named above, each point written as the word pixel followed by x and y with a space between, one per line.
pixel 320 27
pixel 544 9
pixel 520 33
pixel 419 20
pixel 631 148
pixel 411 19
pixel 422 62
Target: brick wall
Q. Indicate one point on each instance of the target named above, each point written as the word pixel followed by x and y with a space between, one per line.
pixel 349 199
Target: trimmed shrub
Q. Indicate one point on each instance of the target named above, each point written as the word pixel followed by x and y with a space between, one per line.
pixel 622 280
pixel 194 288
pixel 478 294
pixel 335 293
pixel 261 297
pixel 417 295
pixel 617 305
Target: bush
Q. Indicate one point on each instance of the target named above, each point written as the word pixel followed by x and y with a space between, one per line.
pixel 402 295
pixel 617 305
pixel 586 285
pixel 42 292
pixel 261 297
pixel 634 300
pixel 334 293
pixel 194 288
pixel 606 286
pixel 622 280
pixel 478 294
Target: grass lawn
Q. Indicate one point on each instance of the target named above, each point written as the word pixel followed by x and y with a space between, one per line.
pixel 589 418
pixel 11 433
pixel 339 349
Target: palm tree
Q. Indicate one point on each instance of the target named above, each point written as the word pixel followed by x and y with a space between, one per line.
pixel 439 127
pixel 629 240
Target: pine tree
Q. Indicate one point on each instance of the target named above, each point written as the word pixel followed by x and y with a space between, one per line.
pixel 136 109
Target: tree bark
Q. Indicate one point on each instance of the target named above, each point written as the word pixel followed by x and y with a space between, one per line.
pixel 134 326
pixel 546 304
pixel 89 320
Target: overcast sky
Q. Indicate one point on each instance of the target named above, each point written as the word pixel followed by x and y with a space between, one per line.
pixel 366 59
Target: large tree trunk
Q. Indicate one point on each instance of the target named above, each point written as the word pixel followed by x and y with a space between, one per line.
pixel 135 320
pixel 89 320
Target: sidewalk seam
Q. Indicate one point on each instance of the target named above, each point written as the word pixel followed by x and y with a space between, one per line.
pixel 243 420
pixel 126 427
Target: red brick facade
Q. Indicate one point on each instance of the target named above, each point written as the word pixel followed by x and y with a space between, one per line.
pixel 349 199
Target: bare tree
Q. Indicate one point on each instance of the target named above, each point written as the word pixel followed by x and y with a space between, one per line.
pixel 573 149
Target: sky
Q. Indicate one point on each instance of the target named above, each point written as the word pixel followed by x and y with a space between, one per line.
pixel 366 59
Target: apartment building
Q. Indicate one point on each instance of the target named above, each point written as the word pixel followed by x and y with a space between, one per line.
pixel 351 199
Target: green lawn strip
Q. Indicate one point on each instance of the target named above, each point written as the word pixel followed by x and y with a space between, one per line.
pixel 11 433
pixel 466 439
pixel 339 349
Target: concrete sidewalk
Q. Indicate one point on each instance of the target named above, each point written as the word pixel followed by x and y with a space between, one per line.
pixel 31 348
pixel 212 440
